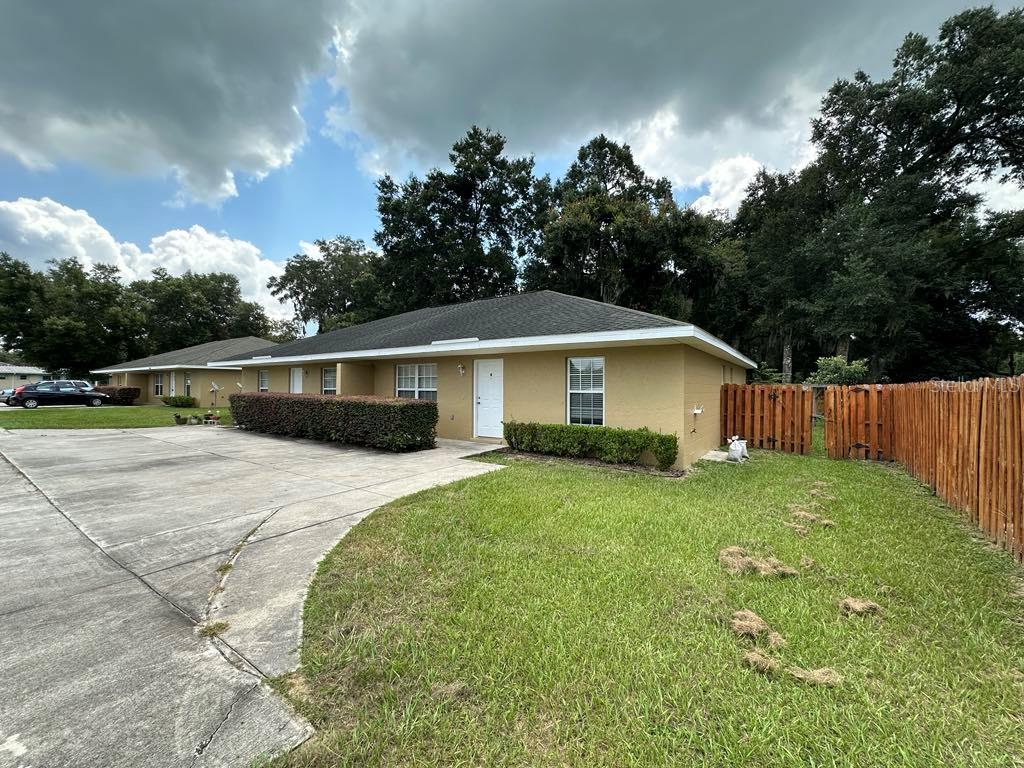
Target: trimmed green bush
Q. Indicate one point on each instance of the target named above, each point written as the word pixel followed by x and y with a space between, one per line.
pixel 608 444
pixel 120 395
pixel 179 401
pixel 390 423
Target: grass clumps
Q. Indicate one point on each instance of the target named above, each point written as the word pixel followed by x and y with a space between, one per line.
pixel 855 606
pixel 825 676
pixel 736 560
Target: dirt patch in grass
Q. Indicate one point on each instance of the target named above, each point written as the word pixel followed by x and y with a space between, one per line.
pixel 807 563
pixel 799 530
pixel 825 676
pixel 736 560
pixel 751 626
pixel 856 606
pixel 759 662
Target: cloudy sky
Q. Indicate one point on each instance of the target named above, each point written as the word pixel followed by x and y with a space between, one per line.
pixel 210 135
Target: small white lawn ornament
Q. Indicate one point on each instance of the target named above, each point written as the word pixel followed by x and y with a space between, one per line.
pixel 737 449
pixel 214 389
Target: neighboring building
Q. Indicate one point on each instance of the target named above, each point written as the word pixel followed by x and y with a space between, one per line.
pixel 12 376
pixel 186 372
pixel 540 356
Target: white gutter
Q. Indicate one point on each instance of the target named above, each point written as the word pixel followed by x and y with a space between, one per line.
pixel 196 367
pixel 681 333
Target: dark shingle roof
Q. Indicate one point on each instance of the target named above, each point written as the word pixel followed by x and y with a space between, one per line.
pixel 540 313
pixel 198 356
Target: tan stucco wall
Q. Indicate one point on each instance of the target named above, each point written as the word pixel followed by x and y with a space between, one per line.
pixel 643 387
pixel 703 381
pixel 356 378
pixel 649 386
pixel 202 381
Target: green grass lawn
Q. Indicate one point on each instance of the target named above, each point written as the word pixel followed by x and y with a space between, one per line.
pixel 104 417
pixel 550 614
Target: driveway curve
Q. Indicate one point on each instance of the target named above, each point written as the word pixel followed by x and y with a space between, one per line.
pixel 116 546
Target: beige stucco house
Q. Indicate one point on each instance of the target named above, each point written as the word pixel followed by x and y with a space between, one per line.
pixel 187 372
pixel 540 356
pixel 12 375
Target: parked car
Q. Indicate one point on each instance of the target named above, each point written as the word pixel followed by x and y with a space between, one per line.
pixel 6 393
pixel 63 383
pixel 35 395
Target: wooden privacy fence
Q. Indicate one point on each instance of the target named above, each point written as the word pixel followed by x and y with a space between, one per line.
pixel 772 416
pixel 857 423
pixel 964 439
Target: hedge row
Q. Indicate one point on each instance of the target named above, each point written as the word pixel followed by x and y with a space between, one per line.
pixel 120 395
pixel 391 423
pixel 179 401
pixel 608 444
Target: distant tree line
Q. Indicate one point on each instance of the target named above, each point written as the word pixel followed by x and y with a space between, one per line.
pixel 878 249
pixel 71 319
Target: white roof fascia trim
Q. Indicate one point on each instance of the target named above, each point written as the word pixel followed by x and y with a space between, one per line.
pixel 670 333
pixel 196 367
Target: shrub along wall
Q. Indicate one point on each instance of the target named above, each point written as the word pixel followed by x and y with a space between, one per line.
pixel 391 423
pixel 608 444
pixel 179 401
pixel 120 395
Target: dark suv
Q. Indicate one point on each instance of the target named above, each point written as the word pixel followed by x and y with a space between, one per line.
pixel 55 393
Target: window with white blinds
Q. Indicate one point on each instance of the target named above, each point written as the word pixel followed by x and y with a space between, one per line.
pixel 586 390
pixel 416 381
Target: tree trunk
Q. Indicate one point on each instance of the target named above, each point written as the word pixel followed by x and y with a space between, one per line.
pixel 787 359
pixel 843 348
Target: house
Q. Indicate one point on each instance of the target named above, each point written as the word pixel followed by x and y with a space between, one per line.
pixel 187 371
pixel 540 356
pixel 12 375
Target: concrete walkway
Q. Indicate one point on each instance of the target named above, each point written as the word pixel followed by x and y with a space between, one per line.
pixel 110 545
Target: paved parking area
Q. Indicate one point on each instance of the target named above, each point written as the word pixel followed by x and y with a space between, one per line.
pixel 113 547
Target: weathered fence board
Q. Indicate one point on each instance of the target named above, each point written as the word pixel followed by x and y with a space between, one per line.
pixel 964 439
pixel 771 416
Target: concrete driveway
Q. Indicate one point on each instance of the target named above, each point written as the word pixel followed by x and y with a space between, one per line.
pixel 116 545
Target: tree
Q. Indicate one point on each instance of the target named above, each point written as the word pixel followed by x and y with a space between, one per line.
pixel 457 235
pixel 329 288
pixel 81 319
pixel 952 111
pixel 836 370
pixel 195 309
pixel 613 233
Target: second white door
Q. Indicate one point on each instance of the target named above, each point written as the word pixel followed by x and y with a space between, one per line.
pixel 295 384
pixel 490 398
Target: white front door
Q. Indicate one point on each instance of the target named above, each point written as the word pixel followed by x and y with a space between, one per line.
pixel 170 380
pixel 490 398
pixel 295 385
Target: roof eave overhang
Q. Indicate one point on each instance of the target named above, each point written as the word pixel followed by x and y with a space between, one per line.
pixel 690 335
pixel 148 368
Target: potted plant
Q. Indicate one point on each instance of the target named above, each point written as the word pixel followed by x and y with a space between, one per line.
pixel 179 419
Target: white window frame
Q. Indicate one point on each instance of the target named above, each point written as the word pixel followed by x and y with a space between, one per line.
pixel 158 385
pixel 263 380
pixel 416 389
pixel 324 390
pixel 188 383
pixel 569 391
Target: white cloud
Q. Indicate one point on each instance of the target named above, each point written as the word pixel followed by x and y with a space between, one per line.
pixel 998 195
pixel 37 231
pixel 727 182
pixel 691 86
pixel 199 91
